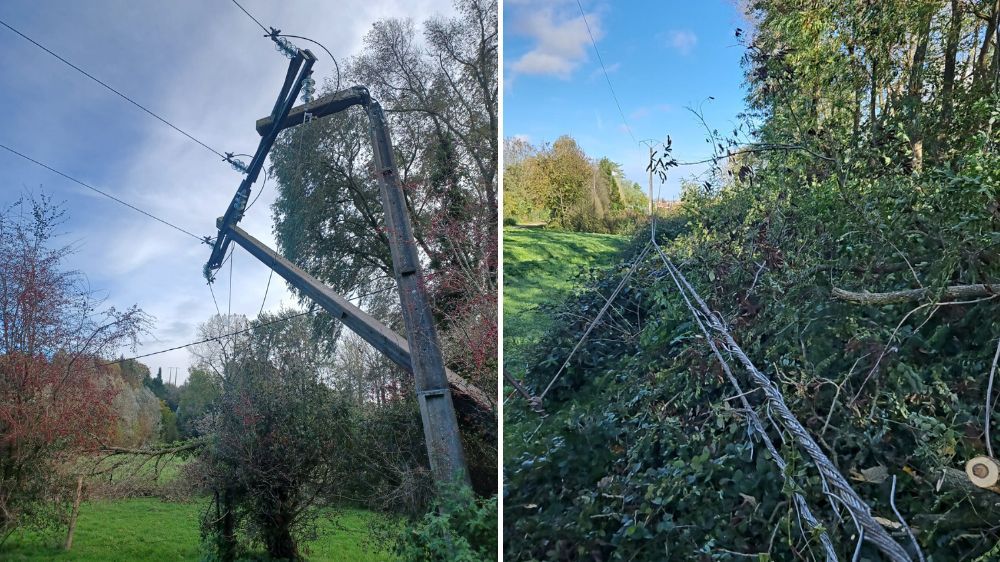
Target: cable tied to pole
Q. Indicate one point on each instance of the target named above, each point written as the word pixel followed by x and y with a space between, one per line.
pixel 284 46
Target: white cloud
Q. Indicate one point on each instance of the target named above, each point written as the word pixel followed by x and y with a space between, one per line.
pixel 560 41
pixel 640 113
pixel 682 40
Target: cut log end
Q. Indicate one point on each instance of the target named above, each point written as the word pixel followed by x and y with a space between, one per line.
pixel 984 472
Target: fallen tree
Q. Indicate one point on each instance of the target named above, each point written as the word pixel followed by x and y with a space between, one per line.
pixel 907 295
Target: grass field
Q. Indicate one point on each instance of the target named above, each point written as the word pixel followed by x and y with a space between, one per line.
pixel 151 529
pixel 543 266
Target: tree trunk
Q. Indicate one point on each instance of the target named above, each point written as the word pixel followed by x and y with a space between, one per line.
pixel 873 103
pixel 994 77
pixel 908 295
pixel 950 61
pixel 914 93
pixel 281 545
pixel 980 71
pixel 969 63
pixel 278 534
pixel 986 504
pixel 227 528
pixel 75 513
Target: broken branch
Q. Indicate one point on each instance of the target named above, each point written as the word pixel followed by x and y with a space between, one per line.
pixel 891 297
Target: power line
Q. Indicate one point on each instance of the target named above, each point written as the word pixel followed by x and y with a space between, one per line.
pixel 840 488
pixel 275 33
pixel 596 320
pixel 211 290
pixel 231 334
pixel 229 311
pixel 116 92
pixel 249 15
pixel 266 289
pixel 216 338
pixel 605 70
pixel 263 186
pixel 104 193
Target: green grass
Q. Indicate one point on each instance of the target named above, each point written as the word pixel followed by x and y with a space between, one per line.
pixel 151 529
pixel 542 266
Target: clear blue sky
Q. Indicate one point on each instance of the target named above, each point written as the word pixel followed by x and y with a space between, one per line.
pixel 202 65
pixel 662 57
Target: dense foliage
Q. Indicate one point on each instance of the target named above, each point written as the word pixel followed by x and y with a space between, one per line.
pixel 869 163
pixel 58 397
pixel 558 185
pixel 459 527
pixel 276 442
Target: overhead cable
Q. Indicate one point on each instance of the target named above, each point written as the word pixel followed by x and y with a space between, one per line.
pixel 104 193
pixel 605 71
pixel 114 90
pixel 207 340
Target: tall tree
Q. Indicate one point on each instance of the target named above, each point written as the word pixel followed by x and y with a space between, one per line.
pixel 278 441
pixel 55 391
pixel 199 398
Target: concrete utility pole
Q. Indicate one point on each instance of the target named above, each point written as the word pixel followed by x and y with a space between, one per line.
pixel 421 354
pixel 444 443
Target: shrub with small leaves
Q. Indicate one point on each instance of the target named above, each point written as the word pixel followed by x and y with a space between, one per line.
pixel 459 527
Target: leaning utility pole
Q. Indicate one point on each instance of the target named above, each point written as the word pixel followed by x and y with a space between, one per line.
pixel 420 354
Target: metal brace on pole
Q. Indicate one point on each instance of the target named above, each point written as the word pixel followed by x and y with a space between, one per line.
pixel 299 69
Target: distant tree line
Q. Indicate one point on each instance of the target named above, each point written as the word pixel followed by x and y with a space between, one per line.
pixel 557 184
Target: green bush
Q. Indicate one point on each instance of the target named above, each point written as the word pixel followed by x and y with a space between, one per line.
pixel 458 528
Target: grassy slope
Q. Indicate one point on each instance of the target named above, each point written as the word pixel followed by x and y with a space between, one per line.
pixel 540 266
pixel 151 529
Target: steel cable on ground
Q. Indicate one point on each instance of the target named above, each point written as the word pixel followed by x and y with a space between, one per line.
pixel 803 507
pixel 988 410
pixel 115 91
pixel 755 423
pixel 873 531
pixel 104 193
pixel 596 320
